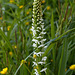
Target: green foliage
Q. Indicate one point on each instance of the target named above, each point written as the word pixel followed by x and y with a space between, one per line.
pixel 16 36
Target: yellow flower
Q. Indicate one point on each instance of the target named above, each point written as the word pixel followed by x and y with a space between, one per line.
pixel 22 62
pixel 11 1
pixel 10 53
pixel 72 67
pixel 34 56
pixel 4 71
pixel 48 7
pixel 36 67
pixel 8 28
pixel 27 23
pixel 1 18
pixel 43 1
pixel 21 6
pixel 15 46
pixel 27 13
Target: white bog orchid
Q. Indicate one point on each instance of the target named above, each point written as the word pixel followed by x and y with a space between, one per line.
pixel 38 39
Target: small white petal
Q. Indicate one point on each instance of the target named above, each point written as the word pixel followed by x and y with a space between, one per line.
pixel 41 46
pixel 43 70
pixel 34 64
pixel 44 58
pixel 36 72
pixel 34 45
pixel 42 63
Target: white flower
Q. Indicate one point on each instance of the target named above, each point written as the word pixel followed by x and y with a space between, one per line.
pixel 38 28
pixel 43 70
pixel 36 72
pixel 43 29
pixel 41 46
pixel 34 64
pixel 34 45
pixel 42 26
pixel 44 58
pixel 35 40
pixel 43 40
pixel 43 32
pixel 45 46
pixel 41 62
pixel 39 53
pixel 39 37
pixel 34 31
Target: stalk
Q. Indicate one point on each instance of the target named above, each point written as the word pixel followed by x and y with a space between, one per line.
pixel 38 39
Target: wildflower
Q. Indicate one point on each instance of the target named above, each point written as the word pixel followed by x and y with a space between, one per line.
pixel 39 53
pixel 34 56
pixel 72 67
pixel 38 40
pixel 11 1
pixel 27 23
pixel 8 28
pixel 4 71
pixel 44 58
pixel 22 62
pixel 27 13
pixel 34 68
pixel 36 72
pixel 10 53
pixel 48 7
pixel 41 63
pixel 43 70
pixel 34 63
pixel 15 46
pixel 43 1
pixel 37 67
pixel 21 6
pixel 1 18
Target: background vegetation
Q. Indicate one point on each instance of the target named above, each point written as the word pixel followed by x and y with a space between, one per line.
pixel 16 36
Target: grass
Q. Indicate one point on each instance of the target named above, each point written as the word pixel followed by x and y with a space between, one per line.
pixel 16 36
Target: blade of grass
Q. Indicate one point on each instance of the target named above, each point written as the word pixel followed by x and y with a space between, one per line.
pixel 6 39
pixel 51 45
pixel 25 60
pixel 53 36
pixel 63 59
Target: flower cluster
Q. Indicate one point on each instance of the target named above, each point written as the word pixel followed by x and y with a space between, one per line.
pixel 38 38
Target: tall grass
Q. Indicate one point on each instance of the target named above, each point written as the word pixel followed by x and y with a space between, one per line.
pixel 16 45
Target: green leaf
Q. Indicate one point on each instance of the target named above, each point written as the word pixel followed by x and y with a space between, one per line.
pixel 6 39
pixel 56 39
pixel 53 36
